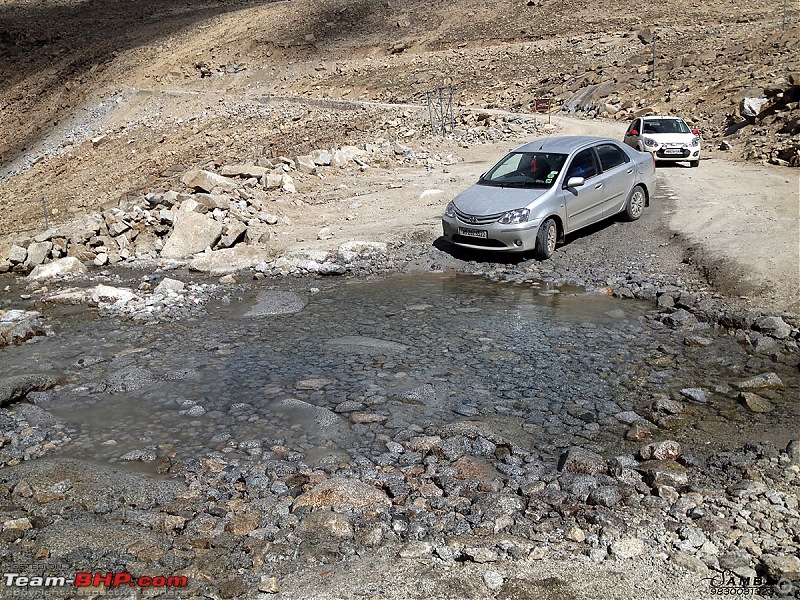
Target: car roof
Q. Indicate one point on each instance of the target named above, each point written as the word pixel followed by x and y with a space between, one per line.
pixel 562 144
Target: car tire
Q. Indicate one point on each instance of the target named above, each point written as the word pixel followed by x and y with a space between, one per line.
pixel 694 163
pixel 546 239
pixel 634 206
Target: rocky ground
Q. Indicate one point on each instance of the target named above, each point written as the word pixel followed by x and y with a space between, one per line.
pixel 297 140
pixel 417 508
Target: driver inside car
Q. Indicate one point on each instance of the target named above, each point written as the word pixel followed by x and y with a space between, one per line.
pixel 540 168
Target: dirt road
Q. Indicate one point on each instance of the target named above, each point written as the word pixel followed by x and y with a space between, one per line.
pixel 740 222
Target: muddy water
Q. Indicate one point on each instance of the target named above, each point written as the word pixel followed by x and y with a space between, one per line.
pixel 331 370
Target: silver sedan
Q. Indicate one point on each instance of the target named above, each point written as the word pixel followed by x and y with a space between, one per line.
pixel 547 188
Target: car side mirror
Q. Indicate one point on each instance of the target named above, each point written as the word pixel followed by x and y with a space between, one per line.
pixel 634 132
pixel 695 131
pixel 574 182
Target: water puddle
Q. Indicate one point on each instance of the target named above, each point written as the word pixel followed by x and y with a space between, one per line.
pixel 319 370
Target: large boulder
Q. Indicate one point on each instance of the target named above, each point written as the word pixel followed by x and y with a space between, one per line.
pixel 192 234
pixel 580 460
pixel 234 232
pixel 17 386
pixel 305 164
pixel 17 326
pixel 206 181
pixel 37 253
pixel 770 325
pixel 106 294
pixel 81 230
pixel 17 254
pixel 230 260
pixel 60 267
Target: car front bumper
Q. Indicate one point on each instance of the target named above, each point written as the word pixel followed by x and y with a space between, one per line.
pixel 663 154
pixel 520 237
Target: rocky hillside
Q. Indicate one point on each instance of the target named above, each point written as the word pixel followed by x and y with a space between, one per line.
pixel 104 98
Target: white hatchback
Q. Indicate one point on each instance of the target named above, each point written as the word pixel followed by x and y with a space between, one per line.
pixel 667 138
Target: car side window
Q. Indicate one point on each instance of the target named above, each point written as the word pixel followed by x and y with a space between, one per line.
pixel 583 165
pixel 650 127
pixel 611 156
pixel 632 127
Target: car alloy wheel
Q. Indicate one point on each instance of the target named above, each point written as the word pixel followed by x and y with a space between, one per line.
pixel 546 239
pixel 634 207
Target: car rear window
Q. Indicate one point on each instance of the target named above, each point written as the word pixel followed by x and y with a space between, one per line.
pixel 611 156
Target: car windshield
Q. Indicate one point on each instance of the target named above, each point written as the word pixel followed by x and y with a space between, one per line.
pixel 664 126
pixel 525 169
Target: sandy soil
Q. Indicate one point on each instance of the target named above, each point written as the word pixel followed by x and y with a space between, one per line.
pixel 742 222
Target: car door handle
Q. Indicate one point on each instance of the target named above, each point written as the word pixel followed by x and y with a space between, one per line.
pixel 630 171
pixel 598 186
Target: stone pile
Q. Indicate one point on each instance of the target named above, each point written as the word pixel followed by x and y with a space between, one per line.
pixel 217 214
pixel 171 298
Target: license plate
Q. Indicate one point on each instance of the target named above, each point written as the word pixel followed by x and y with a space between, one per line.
pixel 673 151
pixel 478 233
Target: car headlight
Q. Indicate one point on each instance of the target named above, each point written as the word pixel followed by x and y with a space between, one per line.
pixel 695 142
pixel 450 211
pixel 512 217
pixel 650 142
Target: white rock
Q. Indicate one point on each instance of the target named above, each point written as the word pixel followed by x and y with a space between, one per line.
pixel 626 548
pixel 326 233
pixel 287 184
pixel 321 158
pixel 106 294
pixel 493 580
pixel 17 254
pixel 272 181
pixel 58 268
pixel 351 251
pixel 191 205
pixel 305 164
pixel 37 253
pixel 169 285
